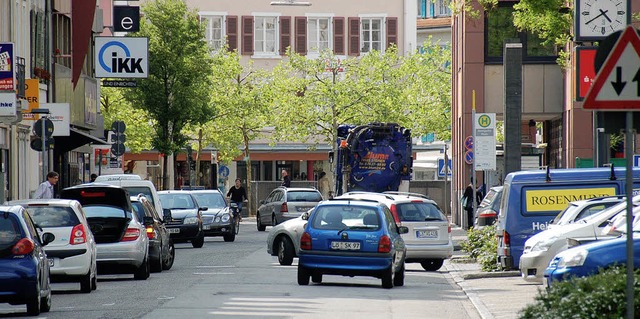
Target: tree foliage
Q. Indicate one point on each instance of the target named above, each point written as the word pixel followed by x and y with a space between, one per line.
pixel 116 108
pixel 176 92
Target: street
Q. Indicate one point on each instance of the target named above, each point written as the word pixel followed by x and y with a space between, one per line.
pixel 240 280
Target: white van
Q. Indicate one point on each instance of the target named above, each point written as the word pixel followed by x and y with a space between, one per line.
pixel 135 185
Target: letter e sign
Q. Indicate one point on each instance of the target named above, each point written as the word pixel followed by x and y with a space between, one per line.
pixel 126 19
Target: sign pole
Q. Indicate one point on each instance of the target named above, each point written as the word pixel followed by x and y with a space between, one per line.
pixel 629 189
pixel 474 148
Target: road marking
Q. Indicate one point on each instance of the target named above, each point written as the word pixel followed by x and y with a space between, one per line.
pixel 109 304
pixel 214 273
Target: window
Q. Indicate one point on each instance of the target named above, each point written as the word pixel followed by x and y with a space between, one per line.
pixel 442 8
pixel 319 30
pixel 214 30
pixel 422 8
pixel 433 8
pixel 265 36
pixel 500 30
pixel 371 35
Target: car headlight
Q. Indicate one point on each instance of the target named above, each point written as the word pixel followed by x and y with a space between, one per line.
pixel 572 258
pixel 225 218
pixel 190 220
pixel 543 245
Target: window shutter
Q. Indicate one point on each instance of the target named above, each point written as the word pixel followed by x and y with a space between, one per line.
pixel 301 35
pixel 232 32
pixel 285 34
pixel 392 31
pixel 247 35
pixel 338 35
pixel 354 36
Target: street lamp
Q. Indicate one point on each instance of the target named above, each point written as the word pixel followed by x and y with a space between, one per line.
pixel 43 137
pixel 290 3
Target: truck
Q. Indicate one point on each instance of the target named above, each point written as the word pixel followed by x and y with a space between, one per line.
pixel 375 157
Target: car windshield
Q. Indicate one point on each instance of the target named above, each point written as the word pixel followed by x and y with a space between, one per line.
pixel 563 216
pixel 102 211
pixel 210 200
pixel 303 196
pixel 176 201
pixel 9 231
pixel 419 211
pixel 343 217
pixel 135 191
pixel 53 216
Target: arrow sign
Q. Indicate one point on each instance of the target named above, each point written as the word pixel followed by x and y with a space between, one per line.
pixel 622 67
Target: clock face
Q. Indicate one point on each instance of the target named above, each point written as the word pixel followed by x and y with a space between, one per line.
pixel 597 19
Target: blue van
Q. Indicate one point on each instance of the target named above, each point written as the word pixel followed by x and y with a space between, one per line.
pixel 532 199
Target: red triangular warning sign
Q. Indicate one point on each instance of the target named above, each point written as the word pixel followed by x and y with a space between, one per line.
pixel 617 85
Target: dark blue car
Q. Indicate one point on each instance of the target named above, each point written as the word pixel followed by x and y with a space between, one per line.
pixel 352 238
pixel 24 267
pixel 585 260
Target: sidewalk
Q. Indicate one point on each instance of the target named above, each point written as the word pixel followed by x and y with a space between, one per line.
pixel 499 295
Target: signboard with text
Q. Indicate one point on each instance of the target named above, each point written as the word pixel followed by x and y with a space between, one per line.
pixel 7 67
pixel 585 70
pixel 484 146
pixel 121 57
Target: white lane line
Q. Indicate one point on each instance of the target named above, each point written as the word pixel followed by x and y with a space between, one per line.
pixel 214 273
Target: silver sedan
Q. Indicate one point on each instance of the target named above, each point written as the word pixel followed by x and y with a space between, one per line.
pixel 284 239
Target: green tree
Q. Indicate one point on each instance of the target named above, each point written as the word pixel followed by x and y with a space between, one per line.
pixel 177 90
pixel 116 108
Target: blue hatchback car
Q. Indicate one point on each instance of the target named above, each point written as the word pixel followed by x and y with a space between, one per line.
pixel 352 238
pixel 585 260
pixel 24 267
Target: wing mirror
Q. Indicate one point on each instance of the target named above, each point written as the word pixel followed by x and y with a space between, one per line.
pixel 305 216
pixel 203 208
pixel 403 229
pixel 47 238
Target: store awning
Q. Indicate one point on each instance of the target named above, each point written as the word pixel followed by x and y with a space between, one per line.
pixel 76 139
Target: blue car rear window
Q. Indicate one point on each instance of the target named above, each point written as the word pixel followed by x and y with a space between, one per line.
pixel 339 217
pixel 53 216
pixel 9 232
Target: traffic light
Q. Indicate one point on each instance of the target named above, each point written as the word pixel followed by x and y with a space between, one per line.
pixel 119 138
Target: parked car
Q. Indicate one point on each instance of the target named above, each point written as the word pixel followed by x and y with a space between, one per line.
pixel 285 203
pixel 284 239
pixel 24 267
pixel 352 238
pixel 219 219
pixel 161 250
pixel 543 246
pixel 72 256
pixel 429 238
pixel 121 241
pixel 487 211
pixel 184 217
pixel 588 259
pixel 580 209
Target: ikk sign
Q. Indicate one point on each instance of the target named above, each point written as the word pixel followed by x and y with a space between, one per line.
pixel 7 68
pixel 122 57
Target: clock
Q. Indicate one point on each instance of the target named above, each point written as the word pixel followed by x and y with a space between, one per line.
pixel 596 19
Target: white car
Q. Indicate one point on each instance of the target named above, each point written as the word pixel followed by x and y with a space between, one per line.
pixel 284 239
pixel 72 255
pixel 581 209
pixel 543 246
pixel 429 238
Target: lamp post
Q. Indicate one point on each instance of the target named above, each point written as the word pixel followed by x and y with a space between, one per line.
pixel 43 136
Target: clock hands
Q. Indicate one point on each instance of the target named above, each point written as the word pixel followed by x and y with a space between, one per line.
pixel 602 13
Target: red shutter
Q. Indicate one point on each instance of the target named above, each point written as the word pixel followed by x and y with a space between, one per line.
pixel 338 35
pixel 285 34
pixel 354 36
pixel 301 35
pixel 232 32
pixel 247 35
pixel 392 31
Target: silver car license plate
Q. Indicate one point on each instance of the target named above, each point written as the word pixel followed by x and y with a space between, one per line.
pixel 426 234
pixel 206 227
pixel 174 230
pixel 345 245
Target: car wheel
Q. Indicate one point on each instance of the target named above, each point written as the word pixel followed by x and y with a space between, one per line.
pixel 231 236
pixel 316 278
pixel 33 304
pixel 274 221
pixel 94 277
pixel 303 276
pixel 171 256
pixel 398 280
pixel 259 223
pixel 199 241
pixel 387 278
pixel 432 264
pixel 142 273
pixel 285 251
pixel 237 230
pixel 45 302
pixel 86 282
pixel 156 264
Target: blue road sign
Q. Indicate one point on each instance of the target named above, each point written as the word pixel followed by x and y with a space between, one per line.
pixel 468 157
pixel 441 168
pixel 636 160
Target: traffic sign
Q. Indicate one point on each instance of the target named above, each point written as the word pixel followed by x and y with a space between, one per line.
pixel 614 87
pixel 117 149
pixel 441 168
pixel 48 127
pixel 468 157
pixel 468 143
pixel 36 143
pixel 636 160
pixel 118 126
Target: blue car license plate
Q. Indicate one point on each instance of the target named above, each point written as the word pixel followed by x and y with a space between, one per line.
pixel 345 245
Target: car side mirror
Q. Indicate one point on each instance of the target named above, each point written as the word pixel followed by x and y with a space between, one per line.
pixel 262 202
pixel 47 238
pixel 403 229
pixel 305 216
pixel 166 214
pixel 147 220
pixel 203 208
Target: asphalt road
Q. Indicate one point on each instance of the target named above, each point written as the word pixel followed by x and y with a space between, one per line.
pixel 240 280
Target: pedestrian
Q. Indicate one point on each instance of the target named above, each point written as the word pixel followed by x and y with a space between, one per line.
pixel 286 179
pixel 468 204
pixel 45 190
pixel 93 178
pixel 237 194
pixel 323 185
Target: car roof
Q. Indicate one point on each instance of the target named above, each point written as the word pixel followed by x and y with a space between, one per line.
pixel 118 177
pixel 616 198
pixel 11 208
pixel 204 191
pixel 174 192
pixel 298 189
pixel 53 201
pixel 388 196
pixel 349 201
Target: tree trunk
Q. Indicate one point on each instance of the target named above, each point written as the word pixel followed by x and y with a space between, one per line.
pixel 165 178
pixel 250 208
pixel 197 172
